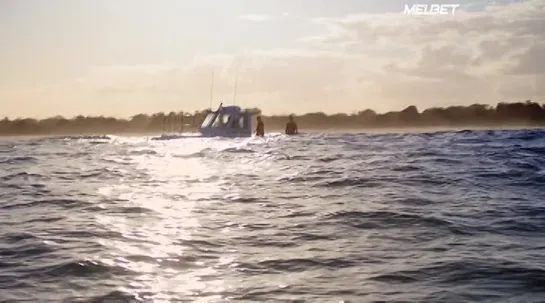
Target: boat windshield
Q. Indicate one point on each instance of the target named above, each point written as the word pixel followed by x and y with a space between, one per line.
pixel 209 118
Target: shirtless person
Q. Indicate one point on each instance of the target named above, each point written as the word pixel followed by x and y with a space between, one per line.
pixel 291 127
pixel 260 129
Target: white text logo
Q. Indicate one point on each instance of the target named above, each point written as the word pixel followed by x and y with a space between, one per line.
pixel 430 9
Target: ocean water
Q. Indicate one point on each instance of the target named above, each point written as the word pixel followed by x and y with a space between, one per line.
pixel 419 217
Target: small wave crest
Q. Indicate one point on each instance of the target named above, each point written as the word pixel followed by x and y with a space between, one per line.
pixel 18 160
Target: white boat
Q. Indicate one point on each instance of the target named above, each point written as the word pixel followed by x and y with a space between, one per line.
pixel 227 121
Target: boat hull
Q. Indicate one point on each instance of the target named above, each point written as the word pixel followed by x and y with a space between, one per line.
pixel 196 136
pixel 225 132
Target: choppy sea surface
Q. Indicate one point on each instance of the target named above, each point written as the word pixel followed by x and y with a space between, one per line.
pixel 415 217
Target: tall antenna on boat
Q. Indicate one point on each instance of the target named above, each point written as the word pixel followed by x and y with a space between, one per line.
pixel 212 88
pixel 235 92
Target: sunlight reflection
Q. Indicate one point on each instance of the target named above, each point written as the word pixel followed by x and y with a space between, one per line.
pixel 156 218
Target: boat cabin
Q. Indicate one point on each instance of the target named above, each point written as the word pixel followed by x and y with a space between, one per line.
pixel 227 121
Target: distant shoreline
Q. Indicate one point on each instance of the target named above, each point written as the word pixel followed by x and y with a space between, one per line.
pixel 477 116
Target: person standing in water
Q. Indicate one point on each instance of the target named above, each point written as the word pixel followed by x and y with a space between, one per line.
pixel 291 127
pixel 260 129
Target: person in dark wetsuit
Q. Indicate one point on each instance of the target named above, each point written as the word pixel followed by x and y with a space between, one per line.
pixel 291 127
pixel 260 129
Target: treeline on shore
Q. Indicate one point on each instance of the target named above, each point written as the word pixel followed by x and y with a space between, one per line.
pixel 518 113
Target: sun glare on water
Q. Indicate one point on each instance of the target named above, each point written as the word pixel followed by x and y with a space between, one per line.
pixel 182 185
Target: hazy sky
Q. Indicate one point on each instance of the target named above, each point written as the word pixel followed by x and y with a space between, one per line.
pixel 123 57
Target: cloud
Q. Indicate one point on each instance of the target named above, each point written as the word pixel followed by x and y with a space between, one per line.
pixel 531 61
pixel 256 17
pixel 467 57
